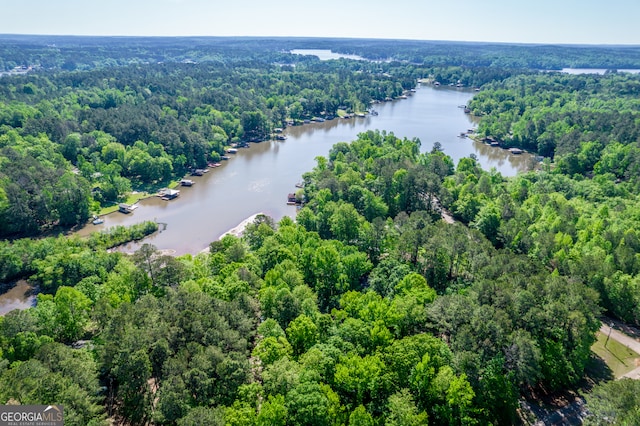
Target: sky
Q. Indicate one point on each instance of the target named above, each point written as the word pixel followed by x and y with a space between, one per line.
pixel 510 21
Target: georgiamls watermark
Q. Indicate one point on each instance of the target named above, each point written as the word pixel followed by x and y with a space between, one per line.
pixel 31 415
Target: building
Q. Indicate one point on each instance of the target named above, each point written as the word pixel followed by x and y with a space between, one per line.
pixel 169 194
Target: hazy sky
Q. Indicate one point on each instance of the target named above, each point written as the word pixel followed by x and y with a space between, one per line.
pixel 529 21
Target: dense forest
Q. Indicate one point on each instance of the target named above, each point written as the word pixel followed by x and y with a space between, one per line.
pixel 369 308
pixel 584 207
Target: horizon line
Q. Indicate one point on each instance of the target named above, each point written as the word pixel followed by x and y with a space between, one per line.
pixel 530 43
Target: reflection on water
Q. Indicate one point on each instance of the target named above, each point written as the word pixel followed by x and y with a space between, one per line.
pixel 501 158
pixel 258 179
pixel 16 295
pixel 259 185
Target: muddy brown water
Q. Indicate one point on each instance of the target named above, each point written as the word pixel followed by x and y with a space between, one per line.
pixel 16 295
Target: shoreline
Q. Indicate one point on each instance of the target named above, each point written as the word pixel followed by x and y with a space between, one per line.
pixel 133 198
pixel 237 230
pixel 193 241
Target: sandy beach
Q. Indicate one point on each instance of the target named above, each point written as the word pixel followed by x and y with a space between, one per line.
pixel 237 230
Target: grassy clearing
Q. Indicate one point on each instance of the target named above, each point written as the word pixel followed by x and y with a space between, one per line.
pixel 132 198
pixel 142 193
pixel 618 357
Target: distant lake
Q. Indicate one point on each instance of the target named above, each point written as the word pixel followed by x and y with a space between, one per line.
pixel 325 54
pixel 600 71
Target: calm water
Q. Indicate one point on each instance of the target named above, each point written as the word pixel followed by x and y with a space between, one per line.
pixel 258 179
pixel 18 295
pixel 325 54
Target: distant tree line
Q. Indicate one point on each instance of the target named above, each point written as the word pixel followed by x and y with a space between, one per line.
pixel 71 53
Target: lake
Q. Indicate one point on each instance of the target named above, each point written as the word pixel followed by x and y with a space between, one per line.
pixel 325 54
pixel 600 71
pixel 258 179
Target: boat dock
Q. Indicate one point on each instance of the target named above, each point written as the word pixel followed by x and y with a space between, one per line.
pixel 167 194
pixel 126 208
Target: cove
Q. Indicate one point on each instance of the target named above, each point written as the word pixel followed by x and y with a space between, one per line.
pixel 258 178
